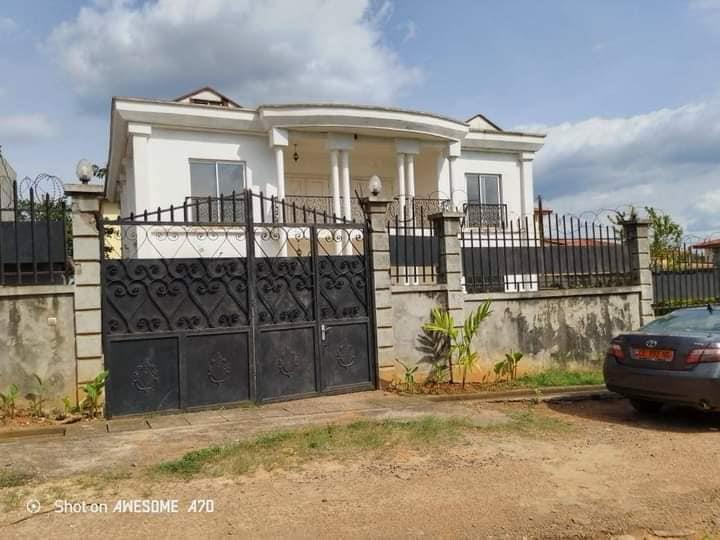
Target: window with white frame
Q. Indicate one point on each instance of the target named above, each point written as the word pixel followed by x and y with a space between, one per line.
pixel 213 179
pixel 484 200
pixel 484 189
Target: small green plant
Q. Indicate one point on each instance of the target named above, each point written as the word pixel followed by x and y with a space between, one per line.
pixel 7 400
pixel 93 392
pixel 409 376
pixel 69 407
pixel 438 373
pixel 460 338
pixel 37 399
pixel 507 368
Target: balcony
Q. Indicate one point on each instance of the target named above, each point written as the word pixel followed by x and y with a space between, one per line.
pixel 229 209
pixel 485 215
pixel 415 208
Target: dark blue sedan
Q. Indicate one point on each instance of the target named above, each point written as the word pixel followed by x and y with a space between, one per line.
pixel 675 359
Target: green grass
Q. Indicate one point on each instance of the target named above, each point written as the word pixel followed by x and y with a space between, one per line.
pixel 560 377
pixel 528 422
pixel 12 478
pixel 284 449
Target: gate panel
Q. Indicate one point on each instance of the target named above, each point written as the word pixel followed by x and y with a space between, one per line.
pixel 144 375
pixel 346 356
pixel 260 300
pixel 215 368
pixel 285 362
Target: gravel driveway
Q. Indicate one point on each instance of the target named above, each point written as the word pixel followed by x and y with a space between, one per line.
pixel 612 472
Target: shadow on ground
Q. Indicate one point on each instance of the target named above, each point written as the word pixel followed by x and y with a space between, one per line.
pixel 619 411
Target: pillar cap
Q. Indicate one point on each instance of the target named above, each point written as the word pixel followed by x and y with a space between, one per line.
pixel 375 200
pixel 636 221
pixel 446 214
pixel 88 190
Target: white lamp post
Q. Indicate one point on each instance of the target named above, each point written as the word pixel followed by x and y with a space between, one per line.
pixel 375 185
pixel 85 171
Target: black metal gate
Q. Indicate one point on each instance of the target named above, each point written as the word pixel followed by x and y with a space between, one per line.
pixel 231 299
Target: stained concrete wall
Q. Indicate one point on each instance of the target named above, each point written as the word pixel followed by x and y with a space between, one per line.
pixel 38 337
pixel 555 327
pixel 551 328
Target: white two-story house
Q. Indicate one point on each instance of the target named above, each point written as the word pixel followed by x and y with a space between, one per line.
pixel 320 156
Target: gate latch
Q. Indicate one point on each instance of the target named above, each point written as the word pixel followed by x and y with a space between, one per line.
pixel 323 332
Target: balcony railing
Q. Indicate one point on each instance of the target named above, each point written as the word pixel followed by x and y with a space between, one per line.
pixel 229 209
pixel 485 215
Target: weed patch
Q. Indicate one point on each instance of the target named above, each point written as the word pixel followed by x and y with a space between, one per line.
pixel 284 449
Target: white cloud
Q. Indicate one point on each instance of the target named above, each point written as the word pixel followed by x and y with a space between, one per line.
pixel 669 158
pixel 256 52
pixel 7 24
pixel 409 30
pixel 25 127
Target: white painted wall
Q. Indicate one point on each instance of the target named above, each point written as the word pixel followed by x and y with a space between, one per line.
pixel 506 165
pixel 169 155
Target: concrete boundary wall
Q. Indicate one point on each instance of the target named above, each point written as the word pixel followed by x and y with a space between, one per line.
pixel 551 328
pixel 38 337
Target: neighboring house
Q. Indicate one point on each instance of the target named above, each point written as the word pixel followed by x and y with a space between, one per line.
pixel 204 144
pixel 7 177
pixel 709 247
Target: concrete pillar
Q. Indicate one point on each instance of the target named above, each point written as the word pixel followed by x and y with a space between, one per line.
pixel 410 180
pixel 527 201
pixel 637 235
pixel 140 135
pixel 278 140
pixel 456 186
pixel 345 175
pixel 375 209
pixel 401 184
pixel 86 199
pixel 280 171
pixel 447 229
pixel 335 182
pixel 280 179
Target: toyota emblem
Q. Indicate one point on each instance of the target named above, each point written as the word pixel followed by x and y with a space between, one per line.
pixel 651 343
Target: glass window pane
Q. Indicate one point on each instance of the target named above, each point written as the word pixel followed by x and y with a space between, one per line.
pixel 473 188
pixel 231 178
pixel 202 179
pixel 491 189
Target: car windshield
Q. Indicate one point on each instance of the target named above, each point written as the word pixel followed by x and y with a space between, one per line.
pixel 692 320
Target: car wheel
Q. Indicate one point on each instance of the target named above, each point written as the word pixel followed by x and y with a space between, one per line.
pixel 646 406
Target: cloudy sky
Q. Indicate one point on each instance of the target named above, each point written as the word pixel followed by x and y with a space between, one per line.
pixel 628 92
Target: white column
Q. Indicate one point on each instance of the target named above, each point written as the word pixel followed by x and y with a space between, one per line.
pixel 401 183
pixel 527 206
pixel 453 187
pixel 140 134
pixel 280 171
pixel 410 175
pixel 456 184
pixel 345 170
pixel 279 139
pixel 335 181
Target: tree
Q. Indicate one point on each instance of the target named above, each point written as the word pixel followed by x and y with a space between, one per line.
pixel 665 233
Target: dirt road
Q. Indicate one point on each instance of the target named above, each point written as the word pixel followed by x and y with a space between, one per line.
pixel 608 472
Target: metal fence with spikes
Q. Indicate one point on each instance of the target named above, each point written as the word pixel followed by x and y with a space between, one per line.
pixel 34 237
pixel 685 275
pixel 545 252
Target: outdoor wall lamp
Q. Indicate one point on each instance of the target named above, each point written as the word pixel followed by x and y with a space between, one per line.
pixel 84 171
pixel 375 185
